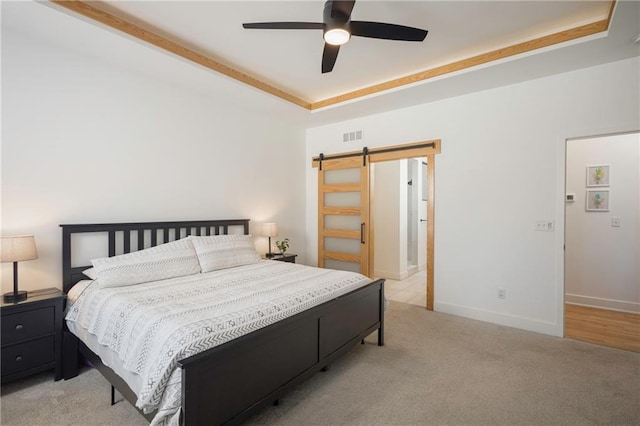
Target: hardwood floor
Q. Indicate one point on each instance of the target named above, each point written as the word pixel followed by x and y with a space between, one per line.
pixel 603 327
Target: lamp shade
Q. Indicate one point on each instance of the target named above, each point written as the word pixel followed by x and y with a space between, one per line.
pixel 270 229
pixel 16 249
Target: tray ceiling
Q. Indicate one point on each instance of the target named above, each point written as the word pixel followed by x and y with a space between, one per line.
pixel 462 34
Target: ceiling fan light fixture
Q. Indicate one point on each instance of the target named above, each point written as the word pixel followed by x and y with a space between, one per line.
pixel 337 36
pixel 337 28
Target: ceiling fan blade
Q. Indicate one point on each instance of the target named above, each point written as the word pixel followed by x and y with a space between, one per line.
pixel 387 31
pixel 285 25
pixel 342 7
pixel 329 56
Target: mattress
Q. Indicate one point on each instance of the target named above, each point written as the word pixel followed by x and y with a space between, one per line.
pixel 142 331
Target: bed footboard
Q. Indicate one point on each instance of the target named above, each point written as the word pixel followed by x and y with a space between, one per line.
pixel 228 383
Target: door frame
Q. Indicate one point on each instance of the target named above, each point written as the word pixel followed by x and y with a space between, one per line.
pixel 428 149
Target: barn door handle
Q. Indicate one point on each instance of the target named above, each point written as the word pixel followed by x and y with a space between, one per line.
pixel 362 233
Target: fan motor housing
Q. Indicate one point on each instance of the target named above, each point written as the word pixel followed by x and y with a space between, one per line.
pixel 338 20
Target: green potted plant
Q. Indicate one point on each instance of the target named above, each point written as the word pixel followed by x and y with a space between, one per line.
pixel 283 245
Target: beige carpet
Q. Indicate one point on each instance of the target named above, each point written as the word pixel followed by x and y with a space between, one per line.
pixel 435 369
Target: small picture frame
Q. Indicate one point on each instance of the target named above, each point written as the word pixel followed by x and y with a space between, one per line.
pixel 597 200
pixel 598 175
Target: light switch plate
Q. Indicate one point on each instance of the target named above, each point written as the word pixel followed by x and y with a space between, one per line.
pixel 545 225
pixel 615 222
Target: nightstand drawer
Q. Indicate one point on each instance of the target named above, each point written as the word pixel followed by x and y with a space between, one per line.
pixel 26 325
pixel 27 355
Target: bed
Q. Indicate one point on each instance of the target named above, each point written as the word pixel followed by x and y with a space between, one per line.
pixel 228 382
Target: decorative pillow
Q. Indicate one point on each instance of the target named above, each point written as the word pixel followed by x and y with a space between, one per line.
pixel 90 273
pixel 169 260
pixel 224 251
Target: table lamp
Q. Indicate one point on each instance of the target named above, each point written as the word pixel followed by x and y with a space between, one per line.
pixel 17 249
pixel 270 230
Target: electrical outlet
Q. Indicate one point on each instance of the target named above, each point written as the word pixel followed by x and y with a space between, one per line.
pixel 615 222
pixel 545 225
pixel 502 293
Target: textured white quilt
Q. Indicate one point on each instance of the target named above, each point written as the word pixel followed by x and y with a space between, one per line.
pixel 151 326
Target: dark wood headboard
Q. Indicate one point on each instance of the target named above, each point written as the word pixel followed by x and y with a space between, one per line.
pixel 148 234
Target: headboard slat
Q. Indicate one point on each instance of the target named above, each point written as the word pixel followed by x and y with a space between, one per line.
pixel 73 274
pixel 127 241
pixel 112 243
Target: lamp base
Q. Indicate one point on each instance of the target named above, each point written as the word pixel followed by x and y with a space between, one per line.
pixel 15 297
pixel 269 255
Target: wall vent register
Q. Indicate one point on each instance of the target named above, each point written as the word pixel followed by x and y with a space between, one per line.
pixel 352 136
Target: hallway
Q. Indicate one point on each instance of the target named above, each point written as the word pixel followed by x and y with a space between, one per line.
pixel 603 327
pixel 412 290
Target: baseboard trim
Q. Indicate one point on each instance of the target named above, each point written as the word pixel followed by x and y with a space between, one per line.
pixel 391 275
pixel 529 324
pixel 600 302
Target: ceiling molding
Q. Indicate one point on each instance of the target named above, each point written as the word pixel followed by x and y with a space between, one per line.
pixel 87 10
pixel 516 49
pixel 120 24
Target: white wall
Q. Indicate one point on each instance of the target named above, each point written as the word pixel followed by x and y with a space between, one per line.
pixel 417 236
pixel 85 142
pixel 500 170
pixel 603 262
pixel 389 207
pixel 422 214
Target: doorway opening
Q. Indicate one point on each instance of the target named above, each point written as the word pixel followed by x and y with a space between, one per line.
pixel 346 233
pixel 399 206
pixel 602 240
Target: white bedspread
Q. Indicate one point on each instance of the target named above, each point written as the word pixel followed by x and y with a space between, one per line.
pixel 151 326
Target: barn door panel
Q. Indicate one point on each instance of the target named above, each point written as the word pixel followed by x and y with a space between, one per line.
pixel 343 215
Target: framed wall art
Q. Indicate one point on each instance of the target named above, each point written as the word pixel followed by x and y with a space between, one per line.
pixel 598 175
pixel 597 200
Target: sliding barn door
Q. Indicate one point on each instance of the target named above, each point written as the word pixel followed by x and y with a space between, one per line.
pixel 343 215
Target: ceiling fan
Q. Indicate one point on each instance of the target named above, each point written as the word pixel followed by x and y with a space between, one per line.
pixel 337 28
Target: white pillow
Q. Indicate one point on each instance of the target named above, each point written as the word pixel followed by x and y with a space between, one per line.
pixel 169 260
pixel 77 290
pixel 224 251
pixel 91 273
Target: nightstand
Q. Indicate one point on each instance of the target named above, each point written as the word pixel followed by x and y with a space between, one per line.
pixel 32 334
pixel 288 257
